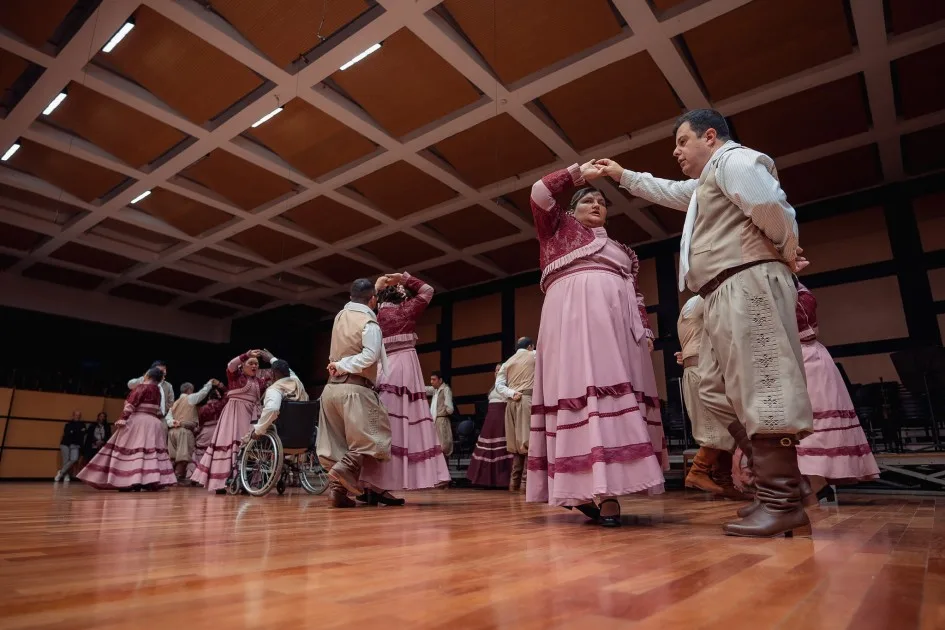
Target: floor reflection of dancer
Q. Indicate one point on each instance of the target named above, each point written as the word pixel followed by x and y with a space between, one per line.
pixel 590 438
pixel 416 455
pixel 135 457
pixel 491 461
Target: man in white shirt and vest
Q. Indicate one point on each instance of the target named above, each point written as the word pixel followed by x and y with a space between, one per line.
pixel 182 423
pixel 286 386
pixel 515 381
pixel 441 409
pixel 739 250
pixel 352 423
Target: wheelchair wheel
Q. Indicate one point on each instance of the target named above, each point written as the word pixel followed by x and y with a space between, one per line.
pixel 233 484
pixel 261 464
pixel 313 477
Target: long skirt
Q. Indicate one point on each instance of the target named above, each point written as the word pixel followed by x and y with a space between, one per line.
pixel 589 432
pixel 135 455
pixel 416 455
pixel 491 463
pixel 202 441
pixel 217 461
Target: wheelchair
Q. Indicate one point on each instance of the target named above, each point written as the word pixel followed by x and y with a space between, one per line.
pixel 282 458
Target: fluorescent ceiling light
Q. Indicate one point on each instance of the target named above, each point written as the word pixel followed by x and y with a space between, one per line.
pixel 141 196
pixel 13 149
pixel 55 103
pixel 120 35
pixel 367 52
pixel 267 117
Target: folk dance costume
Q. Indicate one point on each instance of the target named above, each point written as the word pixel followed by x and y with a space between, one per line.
pixel 416 459
pixel 182 438
pixel 166 391
pixel 441 408
pixel 207 417
pixel 287 388
pixel 596 431
pixel 517 377
pixel 712 466
pixel 244 392
pixel 353 426
pixel 136 454
pixel 739 238
pixel 491 462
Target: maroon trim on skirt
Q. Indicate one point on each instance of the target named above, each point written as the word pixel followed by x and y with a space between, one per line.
pixel 579 464
pixel 413 458
pixel 594 391
pixel 857 450
pixel 411 422
pixel 213 448
pixel 401 391
pixel 599 414
pixel 108 470
pixel 846 428
pixel 132 451
pixel 849 414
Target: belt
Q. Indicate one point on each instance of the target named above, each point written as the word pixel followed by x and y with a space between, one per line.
pixel 689 362
pixel 352 379
pixel 526 392
pixel 717 281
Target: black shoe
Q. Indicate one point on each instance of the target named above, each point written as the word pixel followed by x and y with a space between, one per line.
pixel 827 494
pixel 387 499
pixel 610 521
pixel 368 497
pixel 589 510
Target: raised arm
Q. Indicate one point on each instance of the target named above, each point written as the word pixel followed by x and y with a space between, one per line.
pixel 665 192
pixel 135 382
pixel 423 293
pixel 545 208
pixel 197 397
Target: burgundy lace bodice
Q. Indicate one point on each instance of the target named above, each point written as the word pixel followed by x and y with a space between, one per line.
pixel 401 319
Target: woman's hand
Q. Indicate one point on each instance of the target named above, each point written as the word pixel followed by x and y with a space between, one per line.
pixel 649 344
pixel 590 170
pixel 800 262
pixel 678 356
pixel 610 168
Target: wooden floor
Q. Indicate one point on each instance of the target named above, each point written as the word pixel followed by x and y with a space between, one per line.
pixel 75 558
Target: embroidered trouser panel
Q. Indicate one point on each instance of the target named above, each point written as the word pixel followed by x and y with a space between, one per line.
pixel 706 428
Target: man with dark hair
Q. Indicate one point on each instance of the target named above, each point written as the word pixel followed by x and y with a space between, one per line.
pixel 167 390
pixel 352 423
pixel 441 409
pixel 739 249
pixel 286 386
pixel 515 381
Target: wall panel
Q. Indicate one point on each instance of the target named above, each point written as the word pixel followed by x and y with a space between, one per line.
pixel 28 464
pixel 528 301
pixel 860 311
pixel 647 281
pixel 30 404
pixel 869 368
pixel 33 434
pixel 477 355
pixel 426 325
pixel 930 215
pixel 480 316
pixel 429 361
pixel 847 240
pixel 659 369
pixel 937 282
pixel 473 384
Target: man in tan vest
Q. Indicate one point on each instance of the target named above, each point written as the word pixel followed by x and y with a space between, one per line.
pixel 738 250
pixel 352 423
pixel 441 408
pixel 286 386
pixel 711 469
pixel 182 426
pixel 515 381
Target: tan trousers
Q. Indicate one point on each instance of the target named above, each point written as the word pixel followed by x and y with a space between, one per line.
pixel 180 444
pixel 445 433
pixel 353 419
pixel 518 417
pixel 706 429
pixel 750 359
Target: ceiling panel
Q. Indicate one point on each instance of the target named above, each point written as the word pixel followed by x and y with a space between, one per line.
pixel 329 220
pixel 284 29
pixel 311 140
pixel 34 21
pixel 245 297
pixel 11 67
pixel 184 71
pixel 405 85
pixel 623 229
pixel 291 282
pixel 471 226
pixel 342 269
pixel 7 261
pixel 219 260
pixel 52 210
pixel 457 274
pixel 189 216
pixel 493 150
pixel 401 189
pixel 133 235
pixel 93 257
pixel 246 185
pixel 522 37
pixel 662 5
pixel 209 309
pixel 823 114
pixel 66 277
pixel 766 40
pixel 620 106
pixel 519 202
pixel 671 220
pixel 400 250
pixel 655 158
pixel 922 151
pixel 920 81
pixel 124 132
pixel 270 244
pixel 849 171
pixel 908 15
pixel 148 295
pixel 86 181
pixel 20 239
pixel 177 280
pixel 515 258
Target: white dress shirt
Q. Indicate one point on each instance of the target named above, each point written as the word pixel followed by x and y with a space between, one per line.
pixel 192 399
pixel 501 381
pixel 272 404
pixel 447 393
pixel 372 341
pixel 748 178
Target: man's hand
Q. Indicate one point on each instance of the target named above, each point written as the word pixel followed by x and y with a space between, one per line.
pixel 214 382
pixel 265 355
pixel 381 283
pixel 678 356
pixel 175 424
pixel 334 370
pixel 254 354
pixel 393 279
pixel 800 262
pixel 610 168
pixel 590 170
pixel 516 396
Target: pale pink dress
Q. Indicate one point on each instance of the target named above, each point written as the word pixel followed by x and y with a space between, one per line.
pixel 596 427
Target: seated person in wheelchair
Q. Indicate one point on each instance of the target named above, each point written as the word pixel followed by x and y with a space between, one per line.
pixel 286 386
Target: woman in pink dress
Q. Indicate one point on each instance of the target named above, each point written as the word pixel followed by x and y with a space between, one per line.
pixel 491 462
pixel 245 386
pixel 135 457
pixel 207 417
pixel 596 427
pixel 416 455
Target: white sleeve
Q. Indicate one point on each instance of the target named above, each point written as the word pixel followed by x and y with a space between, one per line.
pixel 430 391
pixel 169 416
pixel 665 192
pixel 135 382
pixel 746 178
pixel 197 397
pixel 371 340
pixel 448 400
pixel 502 384
pixel 272 403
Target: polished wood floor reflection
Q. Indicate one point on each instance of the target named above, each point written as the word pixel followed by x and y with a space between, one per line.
pixel 72 558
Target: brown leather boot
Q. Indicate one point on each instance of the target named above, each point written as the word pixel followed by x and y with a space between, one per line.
pixel 722 476
pixel 518 466
pixel 347 472
pixel 778 481
pixel 339 496
pixel 700 474
pixel 808 496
